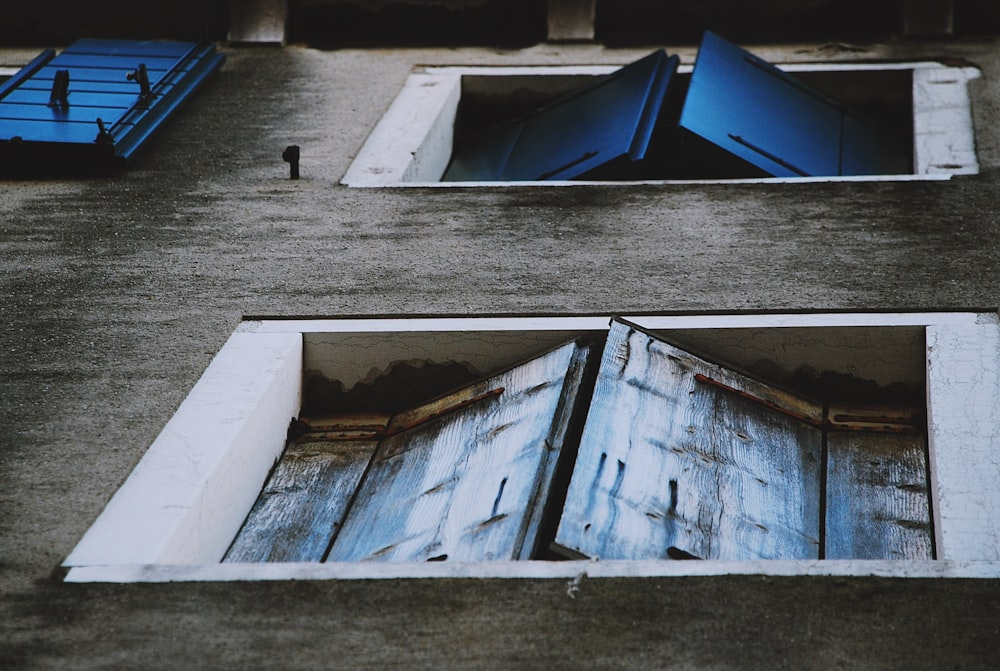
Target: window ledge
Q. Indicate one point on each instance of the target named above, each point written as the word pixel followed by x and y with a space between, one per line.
pixel 573 571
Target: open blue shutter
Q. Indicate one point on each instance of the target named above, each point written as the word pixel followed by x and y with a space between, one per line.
pixel 743 117
pixel 93 106
pixel 595 128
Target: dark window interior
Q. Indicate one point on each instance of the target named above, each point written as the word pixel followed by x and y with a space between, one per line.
pixel 735 116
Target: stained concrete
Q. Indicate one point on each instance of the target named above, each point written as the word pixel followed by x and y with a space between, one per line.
pixel 116 292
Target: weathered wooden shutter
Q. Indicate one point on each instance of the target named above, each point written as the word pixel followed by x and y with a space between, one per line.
pixel 742 113
pixel 306 496
pixel 878 501
pixel 91 107
pixel 473 483
pixel 605 125
pixel 465 477
pixel 680 457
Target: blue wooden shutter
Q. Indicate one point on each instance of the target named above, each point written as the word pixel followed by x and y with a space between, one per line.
pixel 600 127
pixel 743 116
pixel 114 95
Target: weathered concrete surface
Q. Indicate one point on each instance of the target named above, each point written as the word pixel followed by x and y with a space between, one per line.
pixel 116 292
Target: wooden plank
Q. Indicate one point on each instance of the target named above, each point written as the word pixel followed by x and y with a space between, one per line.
pixel 72 114
pixel 69 60
pixel 877 501
pixel 46 131
pixel 302 503
pixel 463 486
pixel 136 48
pixel 79 75
pixel 671 466
pixel 40 96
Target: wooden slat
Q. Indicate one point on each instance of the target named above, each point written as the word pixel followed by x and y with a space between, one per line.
pixel 426 412
pixel 80 75
pixel 669 465
pixel 72 114
pixel 44 131
pixel 68 60
pixel 40 96
pixel 462 487
pixel 157 48
pixel 303 502
pixel 877 504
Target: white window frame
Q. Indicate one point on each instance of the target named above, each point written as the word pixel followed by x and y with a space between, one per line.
pixel 412 143
pixel 177 512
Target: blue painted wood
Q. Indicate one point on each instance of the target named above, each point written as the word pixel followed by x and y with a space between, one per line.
pixel 670 465
pixel 124 63
pixel 99 76
pixel 611 121
pixel 38 136
pixel 471 484
pixel 27 96
pixel 764 117
pixel 57 115
pixel 163 48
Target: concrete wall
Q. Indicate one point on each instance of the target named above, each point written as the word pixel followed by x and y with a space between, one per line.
pixel 116 293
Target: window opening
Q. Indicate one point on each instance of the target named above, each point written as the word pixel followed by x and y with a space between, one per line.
pixel 735 116
pixel 679 457
pixel 94 105
pixel 916 114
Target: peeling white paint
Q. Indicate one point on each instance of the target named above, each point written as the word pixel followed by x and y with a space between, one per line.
pixel 943 141
pixel 963 370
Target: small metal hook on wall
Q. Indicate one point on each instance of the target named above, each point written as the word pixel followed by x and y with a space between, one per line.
pixel 291 156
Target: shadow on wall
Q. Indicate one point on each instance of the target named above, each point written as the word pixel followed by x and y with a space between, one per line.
pixel 332 23
pixel 335 23
pixel 659 22
pixel 63 21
